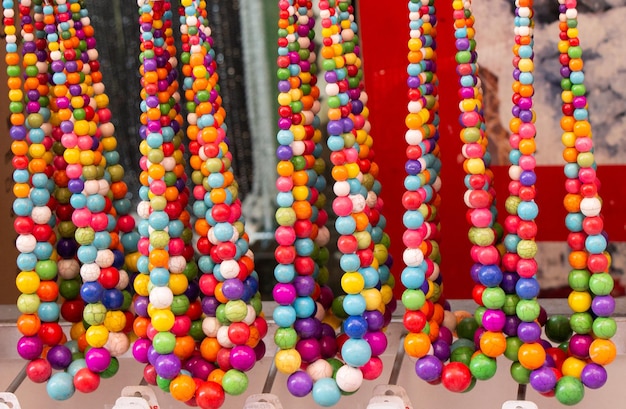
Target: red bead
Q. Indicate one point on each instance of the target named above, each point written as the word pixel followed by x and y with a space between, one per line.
pixel 207 284
pixel 304 265
pixel 576 241
pixel 86 381
pixel 456 377
pixel 50 333
pixel 414 321
pixel 285 254
pixel 39 370
pixel 527 230
pixel 23 225
pixel 477 293
pixel 109 277
pixel 72 310
pixel 303 228
pixel 210 395
pixel 527 193
pixel 597 263
pixel 195 310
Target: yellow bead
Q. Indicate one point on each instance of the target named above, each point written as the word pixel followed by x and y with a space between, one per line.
pixel 115 321
pixel 27 282
pixel 36 150
pixel 71 155
pixel 353 170
pixel 162 320
pixel 373 299
pixel 475 166
pixel 287 361
pixel 284 99
pixel 141 284
pixel 97 336
pixel 300 193
pixel 178 283
pixel 573 367
pixel 579 301
pixel 568 139
pixel 352 282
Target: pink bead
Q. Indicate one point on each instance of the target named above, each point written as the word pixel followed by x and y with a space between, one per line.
pixel 81 217
pixel 99 221
pixel 583 144
pixel 351 155
pixel 85 142
pixel 472 150
pixel 526 268
pixel 69 140
pixel 199 192
pixel 342 206
pixel 587 175
pixel 481 217
pixel 347 244
pixel 488 255
pixel 74 171
pixel 514 187
pixel 284 184
pixel 412 238
pixel 511 222
pixel 514 140
pixel 285 235
pixel 158 187
pixel 572 186
pixel 143 246
pixel 143 163
pixel 527 162
pixel 176 246
pixel 527 130
pixel 470 119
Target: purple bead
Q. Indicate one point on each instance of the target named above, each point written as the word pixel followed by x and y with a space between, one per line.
pixel 299 384
pixel 327 330
pixel 511 324
pixel 579 345
pixel 209 305
pixel 515 110
pixel 149 64
pixel 32 95
pixel 441 349
pixel 304 285
pixel 603 305
pixel 328 346
pixel 413 82
pixel 71 66
pixel 242 357
pixel 76 185
pixel 593 376
pixel 41 55
pixel 30 348
pixel 529 331
pixel 528 178
pixel 140 350
pixel 284 152
pixel 193 290
pixel 357 107
pixel 347 124
pixel 474 270
pixel 66 248
pixel 412 167
pixel 326 297
pixel 152 101
pixel 526 115
pixel 97 359
pixel 509 280
pixel 543 379
pixel 283 86
pixel 18 133
pixel 462 44
pixel 330 76
pixel 516 74
pixel 428 368
pixel 259 350
pixel 199 367
pixel 477 335
pixel 141 306
pixel 233 289
pixel 308 327
pixel 445 335
pixel 167 366
pixel 374 319
pixel 565 72
pixel 334 127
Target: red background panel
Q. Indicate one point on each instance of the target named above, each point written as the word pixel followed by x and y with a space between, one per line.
pixel 384 36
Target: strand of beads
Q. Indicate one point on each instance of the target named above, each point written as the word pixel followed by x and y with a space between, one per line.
pixel 379 296
pixel 590 348
pixel 34 219
pixel 234 325
pixel 158 205
pixel 421 277
pixel 520 224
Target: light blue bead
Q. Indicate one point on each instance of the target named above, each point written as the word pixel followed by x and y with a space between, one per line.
pixel 304 247
pixel 325 392
pixel 96 203
pixel 60 386
pixel 206 264
pixel 175 228
pixel 412 183
pixel 305 307
pixel 349 262
pixel 574 221
pixel 527 210
pixel 159 276
pixel 284 273
pixel 345 225
pixel 48 311
pixel 571 170
pixel 143 265
pixel 284 316
pixel 284 199
pixel 412 219
pixel 370 276
pixel 581 114
pixel 356 352
pixel 595 244
pixel 102 240
pixel 43 250
pixel 216 180
pixel 526 78
pixel 87 254
pixel 223 231
pixel 354 304
pixel 26 261
pixel 412 277
pixel 40 196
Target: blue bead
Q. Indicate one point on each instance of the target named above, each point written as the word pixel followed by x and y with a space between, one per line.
pixel 349 262
pixel 223 231
pixel 304 247
pixel 370 276
pixel 345 225
pixel 412 219
pixel 581 114
pixel 354 304
pixel 384 273
pixel 43 250
pixel 39 180
pixel 91 292
pixel 48 311
pixel 356 352
pixel 284 316
pixel 102 240
pixel 595 244
pixel 527 288
pixel 143 227
pixel 78 200
pixel 284 199
pixel 113 299
pixel 525 51
pixel 217 273
pixel 574 221
pixel 412 183
pixel 526 78
pixel 412 277
pixel 355 327
pixel 206 264
pixel 87 254
pixel 510 242
pixel 76 365
pixel 159 276
pixel 143 265
pixel 96 203
pixel 154 140
pixel 21 176
pixel 216 180
pixel 571 170
pixel 199 209
pixel 305 307
pixel 527 210
pixel 355 186
pixel 490 275
pixel 26 261
pixel 175 228
pixel 40 196
pixel 144 193
pixel 60 386
pixel 335 143
pixel 326 392
pixel 577 77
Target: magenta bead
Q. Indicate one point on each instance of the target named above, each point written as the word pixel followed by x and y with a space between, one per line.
pixel 309 349
pixel 284 293
pixel 29 348
pixel 140 350
pixel 494 320
pixel 579 345
pixel 242 357
pixel 377 341
pixel 199 367
pixel 97 359
pixel 481 217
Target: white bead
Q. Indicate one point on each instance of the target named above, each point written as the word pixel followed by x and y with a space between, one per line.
pixel 590 206
pixel 372 198
pixel 412 257
pixel 349 379
pixel 68 269
pixel 229 269
pixel 25 243
pixel 297 148
pixel 105 258
pixel 90 272
pixel 415 106
pixel 117 344
pixel 523 12
pixel 123 281
pixel 319 369
pixel 358 203
pixel 169 163
pixel 210 325
pixel 515 172
pixel 143 209
pixel 250 316
pixel 103 187
pixel 332 89
pixel 341 188
pixel 176 264
pixel 41 214
pixel 223 339
pixel 91 187
pixel 161 297
pixel 211 236
pixel 571 13
pixel 413 137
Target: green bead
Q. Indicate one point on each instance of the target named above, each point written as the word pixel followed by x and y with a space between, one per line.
pixel 180 304
pixel 16 107
pixel 235 310
pixel 483 367
pixel 256 303
pixel 94 314
pixel 329 65
pixel 299 162
pixel 155 155
pixel 510 304
pixel 31 71
pixel 462 354
pixel 46 269
pixel 285 338
pixel 478 314
pixel 36 120
pixel 527 248
pixel 337 308
pixel 164 342
pixel 334 102
pixel 191 270
pixel 335 364
pixel 283 74
pixel 566 84
pixel 528 310
pixel 413 299
pixel 128 299
pixel 466 328
pixel 581 322
pixel 601 284
pixel 69 289
pixel 520 374
pixel 220 314
pixel 112 369
pixel 579 280
pixel 558 328
pixel 512 347
pixel 511 203
pixel 493 298
pixel 463 57
pixel 481 236
pixel 569 390
pixel 13 71
pixel 579 90
pixel 235 382
pixel 163 383
pixel 159 239
pixel 196 330
pixel 604 327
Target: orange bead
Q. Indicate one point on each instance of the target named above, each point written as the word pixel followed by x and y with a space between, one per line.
pixel 216 376
pixel 303 210
pixel 570 155
pixel 209 348
pixel 433 332
pixel 219 294
pixel 339 173
pixel 218 195
pixel 48 291
pixel 361 220
pixel 531 356
pixel 493 344
pixel 571 202
pixel 602 351
pixel 417 344
pixel 28 324
pixel 285 168
pixel 578 259
pixel 140 326
pixel 300 178
pixel 156 171
pixel 184 347
pixel 527 146
pixel 183 388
